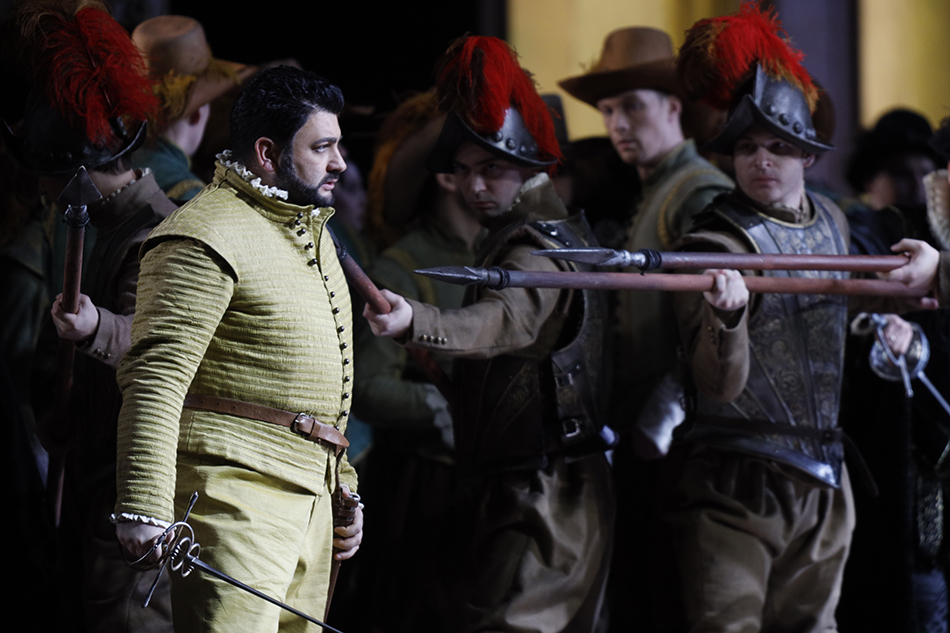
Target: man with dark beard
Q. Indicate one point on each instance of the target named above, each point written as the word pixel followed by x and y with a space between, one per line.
pixel 237 384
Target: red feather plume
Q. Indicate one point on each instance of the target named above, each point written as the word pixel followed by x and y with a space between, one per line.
pixel 719 54
pixel 480 78
pixel 88 65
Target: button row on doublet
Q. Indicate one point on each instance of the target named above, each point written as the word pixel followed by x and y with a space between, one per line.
pixel 438 340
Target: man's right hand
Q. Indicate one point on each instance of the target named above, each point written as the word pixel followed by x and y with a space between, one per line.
pixel 729 292
pixel 75 327
pixel 396 323
pixel 138 538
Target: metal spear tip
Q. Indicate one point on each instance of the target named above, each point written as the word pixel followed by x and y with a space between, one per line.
pixel 459 275
pixel 592 256
pixel 80 191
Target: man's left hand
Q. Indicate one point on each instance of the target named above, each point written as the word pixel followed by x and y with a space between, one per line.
pixel 350 536
pixel 920 271
pixel 729 292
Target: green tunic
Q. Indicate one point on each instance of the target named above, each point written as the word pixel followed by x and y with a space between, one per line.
pixel 680 187
pixel 391 393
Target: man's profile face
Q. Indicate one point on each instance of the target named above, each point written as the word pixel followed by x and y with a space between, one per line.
pixel 488 184
pixel 770 170
pixel 638 123
pixel 313 163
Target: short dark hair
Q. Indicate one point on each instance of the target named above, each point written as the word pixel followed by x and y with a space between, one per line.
pixel 276 103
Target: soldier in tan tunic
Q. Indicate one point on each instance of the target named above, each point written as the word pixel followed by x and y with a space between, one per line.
pixel 56 140
pixel 531 525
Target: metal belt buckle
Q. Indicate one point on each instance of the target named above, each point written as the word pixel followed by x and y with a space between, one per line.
pixel 294 426
pixel 571 428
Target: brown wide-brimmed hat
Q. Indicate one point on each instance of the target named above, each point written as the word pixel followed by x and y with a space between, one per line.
pixel 185 76
pixel 398 177
pixel 633 58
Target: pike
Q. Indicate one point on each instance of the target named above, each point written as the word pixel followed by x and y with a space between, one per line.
pixel 365 287
pixel 497 278
pixel 77 195
pixel 649 259
pixel 344 509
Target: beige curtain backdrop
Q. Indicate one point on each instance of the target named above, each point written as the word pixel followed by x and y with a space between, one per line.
pixel 903 56
pixel 562 38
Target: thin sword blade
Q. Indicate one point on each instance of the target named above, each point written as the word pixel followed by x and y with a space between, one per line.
pixel 197 563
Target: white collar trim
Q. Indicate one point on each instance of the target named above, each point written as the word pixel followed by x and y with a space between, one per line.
pixel 225 158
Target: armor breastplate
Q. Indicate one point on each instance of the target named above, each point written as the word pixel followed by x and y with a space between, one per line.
pixel 516 410
pixel 795 361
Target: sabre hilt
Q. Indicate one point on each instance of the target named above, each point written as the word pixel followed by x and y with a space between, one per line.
pixel 344 508
pixel 168 554
pixel 900 362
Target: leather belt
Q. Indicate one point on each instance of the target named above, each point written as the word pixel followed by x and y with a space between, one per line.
pixel 824 436
pixel 300 423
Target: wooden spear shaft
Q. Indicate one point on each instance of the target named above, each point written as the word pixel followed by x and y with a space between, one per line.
pixel 79 192
pixel 760 261
pixel 365 287
pixel 703 283
pixel 72 278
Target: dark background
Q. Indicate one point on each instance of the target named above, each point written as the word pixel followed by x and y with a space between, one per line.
pixel 377 53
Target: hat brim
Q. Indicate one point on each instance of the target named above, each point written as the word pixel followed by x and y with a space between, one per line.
pixel 62 163
pixel 747 114
pixel 406 174
pixel 454 132
pixel 594 86
pixel 207 89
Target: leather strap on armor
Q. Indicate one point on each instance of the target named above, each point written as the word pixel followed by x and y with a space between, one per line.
pixel 300 423
pixel 826 436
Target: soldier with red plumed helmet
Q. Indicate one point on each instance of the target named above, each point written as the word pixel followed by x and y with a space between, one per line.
pixel 531 522
pixel 86 114
pixel 758 504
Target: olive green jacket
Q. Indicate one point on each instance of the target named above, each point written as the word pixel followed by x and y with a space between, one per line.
pixel 240 296
pixel 679 188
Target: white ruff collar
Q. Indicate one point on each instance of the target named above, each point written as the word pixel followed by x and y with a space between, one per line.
pixel 252 179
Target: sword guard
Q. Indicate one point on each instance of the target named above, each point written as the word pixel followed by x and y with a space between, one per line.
pixel 344 509
pixel 184 553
